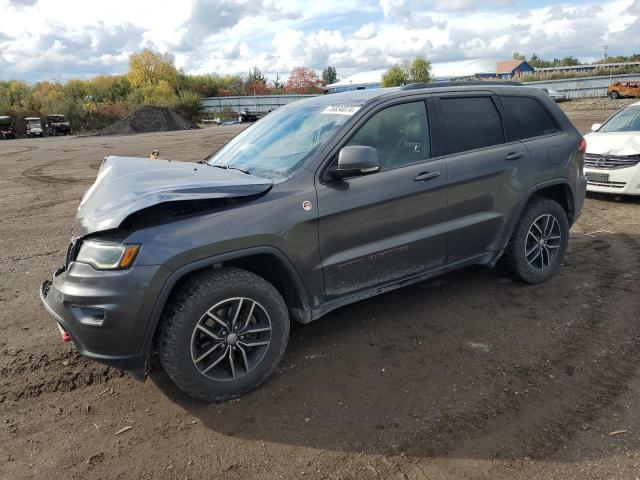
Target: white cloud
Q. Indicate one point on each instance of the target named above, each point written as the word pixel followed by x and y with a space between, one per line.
pixel 40 40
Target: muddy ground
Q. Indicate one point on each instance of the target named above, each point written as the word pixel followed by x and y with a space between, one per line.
pixel 466 376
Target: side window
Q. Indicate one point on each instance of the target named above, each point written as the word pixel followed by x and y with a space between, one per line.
pixel 528 118
pixel 399 133
pixel 469 123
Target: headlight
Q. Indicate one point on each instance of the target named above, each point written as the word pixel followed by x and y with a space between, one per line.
pixel 107 255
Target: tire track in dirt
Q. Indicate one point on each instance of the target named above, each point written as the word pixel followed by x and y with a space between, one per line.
pixel 536 409
pixel 35 173
pixel 30 374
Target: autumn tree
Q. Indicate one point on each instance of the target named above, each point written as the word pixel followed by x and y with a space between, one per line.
pixel 303 80
pixel 149 68
pixel 329 75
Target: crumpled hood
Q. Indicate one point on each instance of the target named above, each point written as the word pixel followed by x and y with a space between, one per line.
pixel 126 185
pixel 614 143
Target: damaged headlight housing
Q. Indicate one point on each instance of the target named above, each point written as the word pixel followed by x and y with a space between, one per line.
pixel 103 255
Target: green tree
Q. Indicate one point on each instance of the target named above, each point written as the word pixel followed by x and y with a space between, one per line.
pixel 329 75
pixel 161 94
pixel 420 70
pixel 395 76
pixel 277 82
pixel 518 56
pixel 569 61
pixel 188 105
pixel 256 76
pixel 405 72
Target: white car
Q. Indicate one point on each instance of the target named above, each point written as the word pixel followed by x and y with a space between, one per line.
pixel 612 160
pixel 555 95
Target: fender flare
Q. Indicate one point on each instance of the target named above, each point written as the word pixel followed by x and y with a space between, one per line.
pixel 513 220
pixel 179 273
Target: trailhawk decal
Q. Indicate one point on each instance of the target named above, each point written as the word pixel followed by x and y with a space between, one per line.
pixel 341 109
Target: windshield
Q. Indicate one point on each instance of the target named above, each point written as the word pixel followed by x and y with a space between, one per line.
pixel 276 146
pixel 33 123
pixel 55 119
pixel 627 120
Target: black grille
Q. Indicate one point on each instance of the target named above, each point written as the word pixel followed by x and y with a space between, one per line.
pixel 610 162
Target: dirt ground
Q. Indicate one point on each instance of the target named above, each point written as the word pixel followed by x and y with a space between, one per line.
pixel 470 375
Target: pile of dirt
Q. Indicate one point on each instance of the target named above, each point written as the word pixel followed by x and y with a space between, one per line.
pixel 148 119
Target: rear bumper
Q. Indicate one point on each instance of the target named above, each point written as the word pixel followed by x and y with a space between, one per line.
pixel 106 314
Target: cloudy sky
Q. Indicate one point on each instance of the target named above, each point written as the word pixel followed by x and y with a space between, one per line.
pixel 61 39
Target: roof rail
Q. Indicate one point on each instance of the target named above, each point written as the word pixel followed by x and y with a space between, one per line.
pixel 488 83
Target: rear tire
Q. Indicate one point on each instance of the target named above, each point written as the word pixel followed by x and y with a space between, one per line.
pixel 223 334
pixel 614 95
pixel 539 242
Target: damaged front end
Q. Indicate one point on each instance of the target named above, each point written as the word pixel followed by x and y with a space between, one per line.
pixel 102 298
pixel 126 185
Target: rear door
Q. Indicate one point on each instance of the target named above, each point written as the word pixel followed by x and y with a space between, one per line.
pixel 389 225
pixel 487 173
pixel 530 122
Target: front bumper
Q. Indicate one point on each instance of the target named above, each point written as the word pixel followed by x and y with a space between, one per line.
pixel 125 298
pixel 622 181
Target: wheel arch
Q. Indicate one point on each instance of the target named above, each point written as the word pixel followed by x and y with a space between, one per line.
pixel 557 189
pixel 266 262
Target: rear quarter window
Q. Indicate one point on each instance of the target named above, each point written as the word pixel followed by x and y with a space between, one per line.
pixel 469 123
pixel 528 118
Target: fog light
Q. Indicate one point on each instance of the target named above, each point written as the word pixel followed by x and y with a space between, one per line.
pixel 89 315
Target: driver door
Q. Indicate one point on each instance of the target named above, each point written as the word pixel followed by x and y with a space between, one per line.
pixel 380 228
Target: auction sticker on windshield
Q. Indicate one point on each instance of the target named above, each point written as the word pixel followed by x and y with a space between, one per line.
pixel 341 109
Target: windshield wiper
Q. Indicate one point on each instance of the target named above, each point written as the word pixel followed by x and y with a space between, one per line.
pixel 229 167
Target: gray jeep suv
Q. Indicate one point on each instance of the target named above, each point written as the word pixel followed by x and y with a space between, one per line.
pixel 323 202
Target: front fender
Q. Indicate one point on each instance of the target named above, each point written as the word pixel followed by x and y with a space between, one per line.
pixel 191 267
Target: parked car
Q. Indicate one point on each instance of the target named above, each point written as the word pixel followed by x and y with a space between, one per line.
pixel 324 202
pixel 623 89
pixel 6 128
pixel 34 127
pixel 612 161
pixel 247 115
pixel 58 125
pixel 555 95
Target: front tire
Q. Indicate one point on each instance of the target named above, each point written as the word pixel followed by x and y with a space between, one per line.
pixel 223 334
pixel 614 95
pixel 539 242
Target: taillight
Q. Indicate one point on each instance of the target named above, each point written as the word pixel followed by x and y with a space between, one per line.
pixel 582 145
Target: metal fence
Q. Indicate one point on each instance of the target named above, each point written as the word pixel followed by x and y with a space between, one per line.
pixel 584 87
pixel 255 103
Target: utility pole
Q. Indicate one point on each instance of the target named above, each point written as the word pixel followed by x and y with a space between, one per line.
pixel 605 49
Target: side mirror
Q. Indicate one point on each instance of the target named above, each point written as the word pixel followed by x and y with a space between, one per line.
pixel 595 127
pixel 355 160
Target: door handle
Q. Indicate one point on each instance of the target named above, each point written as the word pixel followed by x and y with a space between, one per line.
pixel 426 176
pixel 514 156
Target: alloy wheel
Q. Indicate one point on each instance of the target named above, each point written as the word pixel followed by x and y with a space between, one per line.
pixel 543 242
pixel 231 339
